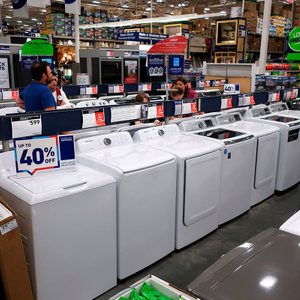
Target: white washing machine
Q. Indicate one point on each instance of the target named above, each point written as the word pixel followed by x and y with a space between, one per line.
pixel 288 168
pixel 198 179
pixel 238 164
pixel 267 145
pixel 68 225
pixel 146 196
pixel 292 225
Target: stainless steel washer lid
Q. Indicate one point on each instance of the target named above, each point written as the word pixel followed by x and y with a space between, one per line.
pixel 267 267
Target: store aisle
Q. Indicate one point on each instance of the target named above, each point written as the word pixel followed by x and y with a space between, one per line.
pixel 181 267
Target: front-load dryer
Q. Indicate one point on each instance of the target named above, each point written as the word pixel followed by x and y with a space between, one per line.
pixel 267 145
pixel 238 164
pixel 68 225
pixel 288 168
pixel 146 196
pixel 198 179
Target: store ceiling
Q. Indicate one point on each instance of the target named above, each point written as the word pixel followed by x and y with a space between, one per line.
pixel 129 9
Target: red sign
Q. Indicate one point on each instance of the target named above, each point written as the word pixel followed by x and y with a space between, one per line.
pixel 171 45
pixel 100 118
pixel 229 102
pixel 278 96
pixel 194 107
pixel 252 102
pixel 160 111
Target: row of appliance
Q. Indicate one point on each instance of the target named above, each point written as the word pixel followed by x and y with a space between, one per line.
pixel 139 193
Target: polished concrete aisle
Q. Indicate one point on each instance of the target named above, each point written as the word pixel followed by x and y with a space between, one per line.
pixel 181 267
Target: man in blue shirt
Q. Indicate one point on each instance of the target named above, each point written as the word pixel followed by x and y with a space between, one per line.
pixel 37 96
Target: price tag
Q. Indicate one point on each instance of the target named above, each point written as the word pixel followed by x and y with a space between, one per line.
pixel 39 154
pixel 178 107
pixel 160 111
pixel 226 103
pixel 270 97
pixel 8 95
pixel 277 96
pixel 288 96
pixel 189 106
pixel 124 113
pixel 91 90
pixel 111 89
pixel 292 96
pixel 194 107
pixel 241 100
pixel 252 102
pixel 296 92
pixel 26 126
pixel 92 118
pixel 147 87
pixel 152 111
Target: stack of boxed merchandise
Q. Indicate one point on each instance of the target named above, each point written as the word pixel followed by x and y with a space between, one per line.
pixel 69 26
pixel 250 14
pixel 277 25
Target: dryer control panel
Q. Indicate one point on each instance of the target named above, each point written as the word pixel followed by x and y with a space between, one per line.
pixel 277 107
pixel 229 118
pixel 103 141
pixel 258 111
pixel 195 125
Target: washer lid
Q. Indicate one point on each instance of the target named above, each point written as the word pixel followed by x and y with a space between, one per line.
pixel 130 158
pixel 282 119
pixel 184 146
pixel 221 134
pixel 266 267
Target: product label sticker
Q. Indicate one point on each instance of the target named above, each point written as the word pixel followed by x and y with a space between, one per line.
pixel 23 126
pixel 9 226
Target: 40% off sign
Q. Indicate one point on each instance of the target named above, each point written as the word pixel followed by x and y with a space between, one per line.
pixel 36 154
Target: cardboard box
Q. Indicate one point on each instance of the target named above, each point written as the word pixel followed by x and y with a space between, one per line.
pixel 14 272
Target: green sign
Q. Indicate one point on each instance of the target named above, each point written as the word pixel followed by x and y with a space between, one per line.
pixel 294 39
pixel 37 47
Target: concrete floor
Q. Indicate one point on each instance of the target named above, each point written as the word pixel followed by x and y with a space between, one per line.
pixel 181 267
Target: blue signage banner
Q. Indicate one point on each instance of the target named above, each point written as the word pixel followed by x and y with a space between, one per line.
pixel 141 36
pixel 156 65
pixel 27 61
pixel 176 64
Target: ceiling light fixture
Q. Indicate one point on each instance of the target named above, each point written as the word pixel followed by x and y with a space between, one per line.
pixel 8 17
pixel 33 19
pixel 96 2
pixel 148 9
pixel 206 8
pixel 170 19
pixel 124 5
pixel 19 21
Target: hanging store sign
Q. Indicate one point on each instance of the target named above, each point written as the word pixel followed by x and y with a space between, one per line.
pixel 28 61
pixel 171 45
pixel 37 47
pixel 141 36
pixel 294 44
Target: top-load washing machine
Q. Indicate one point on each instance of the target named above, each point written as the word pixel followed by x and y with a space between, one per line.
pixel 288 168
pixel 146 196
pixel 267 145
pixel 198 179
pixel 68 225
pixel 283 109
pixel 292 225
pixel 238 164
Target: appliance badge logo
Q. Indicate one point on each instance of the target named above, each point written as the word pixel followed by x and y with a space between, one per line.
pixel 107 142
pixel 161 132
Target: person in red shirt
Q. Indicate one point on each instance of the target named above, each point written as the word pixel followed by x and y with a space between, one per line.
pixel 188 93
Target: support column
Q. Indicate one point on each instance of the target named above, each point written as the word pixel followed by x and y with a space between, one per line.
pixel 265 37
pixel 77 38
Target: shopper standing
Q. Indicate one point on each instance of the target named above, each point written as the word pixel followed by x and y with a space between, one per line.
pixel 188 92
pixel 37 96
pixel 59 95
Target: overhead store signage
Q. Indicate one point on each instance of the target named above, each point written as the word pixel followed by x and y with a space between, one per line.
pixel 176 64
pixel 37 48
pixel 73 7
pixel 294 44
pixel 44 153
pixel 171 45
pixel 28 61
pixel 156 65
pixel 141 36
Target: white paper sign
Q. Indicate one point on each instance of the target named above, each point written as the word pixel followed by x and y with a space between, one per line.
pixel 43 153
pixel 124 113
pixel 9 95
pixel 92 118
pixel 4 75
pixel 178 108
pixel 91 90
pixel 9 226
pixel 26 126
pixel 82 79
pixel 296 91
pixel 241 100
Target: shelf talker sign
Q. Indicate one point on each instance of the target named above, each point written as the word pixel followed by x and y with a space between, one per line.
pixel 294 44
pixel 36 154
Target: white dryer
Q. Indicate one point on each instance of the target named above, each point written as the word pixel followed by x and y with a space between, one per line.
pixel 267 145
pixel 238 164
pixel 146 196
pixel 288 168
pixel 198 179
pixel 68 225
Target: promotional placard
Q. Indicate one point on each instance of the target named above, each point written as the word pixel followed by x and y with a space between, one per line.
pixel 39 154
pixel 156 65
pixel 176 64
pixel 130 71
pixel 189 106
pixel 93 118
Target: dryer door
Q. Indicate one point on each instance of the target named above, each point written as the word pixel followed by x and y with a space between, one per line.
pixel 266 159
pixel 202 187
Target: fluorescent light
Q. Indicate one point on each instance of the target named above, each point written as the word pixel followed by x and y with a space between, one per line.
pixel 223 12
pixel 148 9
pixel 19 21
pixel 43 10
pixel 206 18
pixel 124 5
pixel 8 17
pixel 96 2
pixel 26 25
pixel 33 19
pixel 168 19
pixel 206 8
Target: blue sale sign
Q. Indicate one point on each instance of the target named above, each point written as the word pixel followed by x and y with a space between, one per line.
pixel 176 64
pixel 38 154
pixel 156 65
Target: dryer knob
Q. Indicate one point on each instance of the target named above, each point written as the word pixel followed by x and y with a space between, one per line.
pixel 161 132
